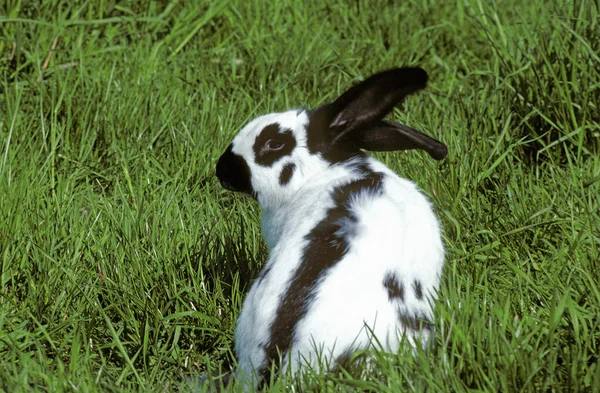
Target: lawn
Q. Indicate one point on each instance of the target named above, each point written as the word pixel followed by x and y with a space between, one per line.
pixel 123 263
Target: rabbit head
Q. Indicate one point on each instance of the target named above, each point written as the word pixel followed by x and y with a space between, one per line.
pixel 277 153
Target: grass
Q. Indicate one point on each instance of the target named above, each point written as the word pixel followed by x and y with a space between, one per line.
pixel 123 264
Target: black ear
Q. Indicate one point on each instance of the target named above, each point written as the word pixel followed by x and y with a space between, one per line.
pixel 375 97
pixel 386 135
pixel 354 120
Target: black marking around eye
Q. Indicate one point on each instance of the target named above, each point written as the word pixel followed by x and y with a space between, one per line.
pixel 266 157
pixel 327 243
pixel 395 289
pixel 286 173
pixel 418 289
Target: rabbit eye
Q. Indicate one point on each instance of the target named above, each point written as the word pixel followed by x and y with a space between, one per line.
pixel 273 145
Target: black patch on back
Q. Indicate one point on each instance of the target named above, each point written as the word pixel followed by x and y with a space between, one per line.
pixel 326 246
pixel 233 172
pixel 418 289
pixel 394 288
pixel 286 173
pixel 272 144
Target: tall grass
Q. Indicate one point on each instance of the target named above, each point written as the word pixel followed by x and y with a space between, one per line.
pixel 124 263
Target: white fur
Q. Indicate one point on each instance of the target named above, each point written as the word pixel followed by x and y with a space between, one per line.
pixel 397 231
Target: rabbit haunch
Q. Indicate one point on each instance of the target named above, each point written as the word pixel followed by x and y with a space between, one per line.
pixel 355 252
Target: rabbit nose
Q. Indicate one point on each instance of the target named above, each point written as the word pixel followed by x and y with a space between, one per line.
pixel 233 172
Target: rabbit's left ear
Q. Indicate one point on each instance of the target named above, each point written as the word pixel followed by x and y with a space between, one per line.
pixel 354 121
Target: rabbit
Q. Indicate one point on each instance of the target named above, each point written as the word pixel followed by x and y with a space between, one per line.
pixel 355 251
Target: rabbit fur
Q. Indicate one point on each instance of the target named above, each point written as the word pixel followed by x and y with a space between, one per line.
pixel 355 251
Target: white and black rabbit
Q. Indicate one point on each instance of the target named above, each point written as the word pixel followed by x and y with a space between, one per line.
pixel 355 251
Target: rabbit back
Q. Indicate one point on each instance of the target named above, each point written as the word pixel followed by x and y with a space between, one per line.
pixel 350 261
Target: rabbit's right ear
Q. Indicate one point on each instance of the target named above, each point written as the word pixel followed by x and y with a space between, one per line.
pixel 387 135
pixel 354 121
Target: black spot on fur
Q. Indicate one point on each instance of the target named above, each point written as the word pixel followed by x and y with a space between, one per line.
pixel 395 289
pixel 233 172
pixel 418 289
pixel 272 144
pixel 415 323
pixel 326 246
pixel 286 173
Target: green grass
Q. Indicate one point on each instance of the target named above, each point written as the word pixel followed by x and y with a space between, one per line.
pixel 123 264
